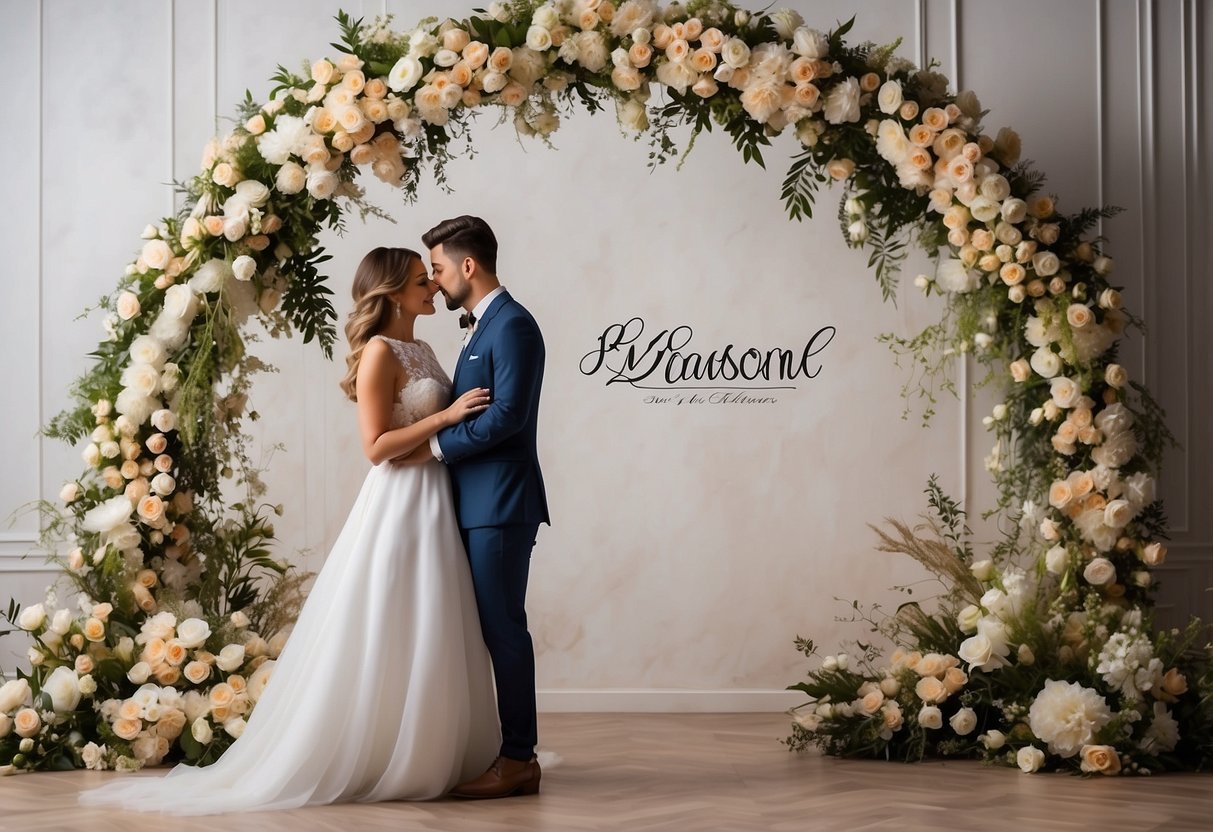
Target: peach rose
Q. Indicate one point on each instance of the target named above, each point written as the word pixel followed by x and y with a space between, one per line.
pixel 712 39
pixel 143 598
pixel 476 54
pixel 175 653
pixel 130 709
pixel 168 675
pixel 197 672
pixel 640 55
pixel 954 679
pixel 222 695
pixel 869 81
pixel 128 729
pixel 1153 554
pixel 935 118
pixel 376 113
pixel 501 59
pixel 363 154
pixel 151 510
pixel 872 701
pixel 154 651
pixel 1100 758
pixel 84 663
pixel 455 40
pixel 932 664
pixel 375 89
pixel 930 689
pixel 908 111
pixel 514 94
pixel 703 60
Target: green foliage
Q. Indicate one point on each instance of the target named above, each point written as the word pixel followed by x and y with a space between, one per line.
pixel 306 301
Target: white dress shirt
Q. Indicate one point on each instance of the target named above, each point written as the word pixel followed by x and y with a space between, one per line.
pixel 478 312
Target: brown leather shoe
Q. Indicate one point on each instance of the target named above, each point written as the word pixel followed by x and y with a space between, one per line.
pixel 505 778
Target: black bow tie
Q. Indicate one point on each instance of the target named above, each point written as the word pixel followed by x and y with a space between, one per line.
pixel 467 320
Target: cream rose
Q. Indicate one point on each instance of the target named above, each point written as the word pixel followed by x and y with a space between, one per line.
pixel 1153 554
pixel 930 690
pixel 963 721
pixel 1099 572
pixel 27 723
pixel 930 717
pixel 1030 759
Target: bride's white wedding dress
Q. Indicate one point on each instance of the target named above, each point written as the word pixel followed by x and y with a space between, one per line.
pixel 384 690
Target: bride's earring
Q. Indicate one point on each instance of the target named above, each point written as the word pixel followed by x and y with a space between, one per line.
pixel 397 306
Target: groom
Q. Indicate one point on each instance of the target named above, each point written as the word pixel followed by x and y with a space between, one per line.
pixel 495 477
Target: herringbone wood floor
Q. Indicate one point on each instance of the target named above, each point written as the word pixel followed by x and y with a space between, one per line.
pixel 695 772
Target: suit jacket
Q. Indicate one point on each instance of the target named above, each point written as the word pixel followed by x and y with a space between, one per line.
pixel 493 460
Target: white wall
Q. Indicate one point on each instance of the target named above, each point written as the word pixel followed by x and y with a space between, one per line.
pixel 689 543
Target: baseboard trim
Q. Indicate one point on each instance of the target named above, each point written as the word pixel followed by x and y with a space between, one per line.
pixel 662 700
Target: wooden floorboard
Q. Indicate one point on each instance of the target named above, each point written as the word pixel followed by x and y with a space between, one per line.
pixel 694 772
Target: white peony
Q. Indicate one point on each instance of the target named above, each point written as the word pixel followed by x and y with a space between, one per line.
pixel 1066 716
pixel 842 102
pixel 1065 392
pixel 786 22
pixel 109 515
pixel 287 138
pixel 1163 733
pixel 211 276
pixel 539 38
pixel 321 184
pixel 953 276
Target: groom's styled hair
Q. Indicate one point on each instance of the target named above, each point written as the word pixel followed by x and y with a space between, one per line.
pixel 465 236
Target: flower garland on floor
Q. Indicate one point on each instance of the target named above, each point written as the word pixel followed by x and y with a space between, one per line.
pixel 180 608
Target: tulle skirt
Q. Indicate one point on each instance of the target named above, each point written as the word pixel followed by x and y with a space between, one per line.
pixel 384 690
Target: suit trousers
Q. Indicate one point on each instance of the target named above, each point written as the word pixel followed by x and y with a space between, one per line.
pixel 500 559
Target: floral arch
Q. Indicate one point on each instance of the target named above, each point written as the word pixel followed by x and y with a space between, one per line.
pixel 1040 652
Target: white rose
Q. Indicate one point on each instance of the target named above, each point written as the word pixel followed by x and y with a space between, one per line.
pixel 147 350
pixel 890 97
pixel 139 673
pixel 983 570
pixel 404 75
pixel 735 53
pixel 1118 513
pixel 1116 376
pixel 63 685
pixel 234 727
pixel 930 717
pixel 1045 263
pixel 1057 559
pixel 786 22
pixel 810 43
pixel 993 740
pixel 164 484
pixel 61 622
pixel 1046 362
pixel 230 658
pixel 70 492
pixel 997 188
pixel 963 721
pixel 13 694
pixel 201 731
pixel 290 179
pixel 31 618
pixel 1065 392
pixel 538 38
pixel 239 619
pixel 632 115
pixel 193 633
pixel 321 184
pixel 1030 759
pixel 968 617
pixel 252 193
pixel 1099 572
pixel 157 254
pixel 127 305
pixel 842 102
pixel 143 380
pixel 244 267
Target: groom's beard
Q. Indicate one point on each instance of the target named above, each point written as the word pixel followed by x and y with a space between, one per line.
pixel 455 301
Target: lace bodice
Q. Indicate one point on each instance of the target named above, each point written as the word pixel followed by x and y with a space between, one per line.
pixel 428 389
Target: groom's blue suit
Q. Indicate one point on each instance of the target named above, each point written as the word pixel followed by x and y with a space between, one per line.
pixel 500 500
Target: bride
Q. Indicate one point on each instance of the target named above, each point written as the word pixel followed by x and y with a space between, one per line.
pixel 384 690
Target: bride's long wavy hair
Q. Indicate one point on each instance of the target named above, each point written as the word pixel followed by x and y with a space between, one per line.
pixel 383 272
